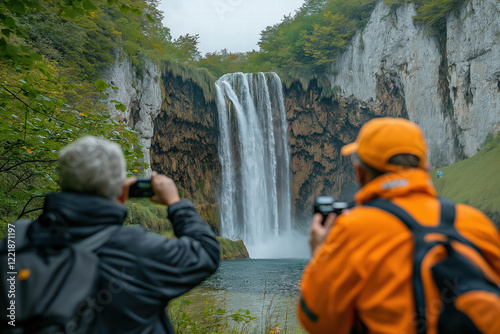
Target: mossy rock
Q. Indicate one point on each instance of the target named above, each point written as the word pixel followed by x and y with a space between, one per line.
pixel 232 250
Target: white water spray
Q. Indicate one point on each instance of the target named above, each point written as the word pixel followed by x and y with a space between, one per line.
pixel 255 156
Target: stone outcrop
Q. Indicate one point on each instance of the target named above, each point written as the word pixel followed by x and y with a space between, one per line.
pixel 141 94
pixel 176 126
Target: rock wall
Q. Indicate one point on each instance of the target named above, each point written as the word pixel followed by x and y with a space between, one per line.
pixel 319 127
pixel 184 144
pixel 141 94
pixel 451 88
pixel 473 59
pixel 176 126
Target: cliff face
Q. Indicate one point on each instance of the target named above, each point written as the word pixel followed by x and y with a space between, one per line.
pixel 318 129
pixel 142 97
pixel 184 144
pixel 176 126
pixel 450 88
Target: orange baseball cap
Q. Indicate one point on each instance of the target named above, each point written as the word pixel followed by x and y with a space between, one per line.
pixel 382 138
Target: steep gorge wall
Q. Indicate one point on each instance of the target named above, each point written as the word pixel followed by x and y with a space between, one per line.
pixel 141 94
pixel 450 85
pixel 184 144
pixel 319 127
pixel 177 127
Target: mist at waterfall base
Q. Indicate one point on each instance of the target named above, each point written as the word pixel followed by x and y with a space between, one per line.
pixel 291 245
pixel 255 200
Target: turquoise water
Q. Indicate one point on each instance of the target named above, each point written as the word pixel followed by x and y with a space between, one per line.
pixel 266 287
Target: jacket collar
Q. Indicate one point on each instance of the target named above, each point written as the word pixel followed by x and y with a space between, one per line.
pixel 398 184
pixel 77 209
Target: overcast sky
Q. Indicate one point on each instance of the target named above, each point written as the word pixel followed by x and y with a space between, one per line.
pixel 231 24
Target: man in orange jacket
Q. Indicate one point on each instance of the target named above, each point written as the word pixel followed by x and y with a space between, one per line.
pixel 362 267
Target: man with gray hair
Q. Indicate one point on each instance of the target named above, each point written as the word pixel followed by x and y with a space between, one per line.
pixel 139 272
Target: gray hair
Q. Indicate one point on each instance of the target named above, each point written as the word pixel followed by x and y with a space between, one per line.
pixel 92 166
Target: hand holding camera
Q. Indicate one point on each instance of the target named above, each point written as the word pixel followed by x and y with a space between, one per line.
pixel 326 205
pixel 159 188
pixel 323 205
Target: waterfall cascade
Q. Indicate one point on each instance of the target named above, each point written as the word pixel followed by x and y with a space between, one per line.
pixel 255 157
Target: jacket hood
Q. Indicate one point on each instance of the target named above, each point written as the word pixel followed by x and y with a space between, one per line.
pixel 84 210
pixel 398 184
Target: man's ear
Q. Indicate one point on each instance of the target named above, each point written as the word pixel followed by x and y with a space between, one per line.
pixel 360 173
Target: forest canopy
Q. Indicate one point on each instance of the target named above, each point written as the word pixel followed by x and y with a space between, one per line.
pixel 307 42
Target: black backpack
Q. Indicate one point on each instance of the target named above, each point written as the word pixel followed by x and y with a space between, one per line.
pixel 469 288
pixel 46 283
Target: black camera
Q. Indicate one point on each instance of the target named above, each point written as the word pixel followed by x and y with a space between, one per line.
pixel 326 205
pixel 142 188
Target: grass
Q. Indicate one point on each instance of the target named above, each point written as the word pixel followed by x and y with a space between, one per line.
pixel 474 181
pixel 209 314
pixel 151 216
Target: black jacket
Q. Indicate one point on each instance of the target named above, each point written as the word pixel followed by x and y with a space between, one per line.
pixel 140 272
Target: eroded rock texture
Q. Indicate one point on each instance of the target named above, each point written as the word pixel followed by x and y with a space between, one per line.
pixel 319 127
pixel 184 144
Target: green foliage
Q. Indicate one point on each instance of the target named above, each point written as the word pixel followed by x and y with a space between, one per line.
pixel 475 181
pixel 187 48
pixel 302 45
pixel 153 217
pixel 211 318
pixel 43 106
pixel 40 113
pixel 222 62
pixel 328 38
pixel 201 76
pixel 434 12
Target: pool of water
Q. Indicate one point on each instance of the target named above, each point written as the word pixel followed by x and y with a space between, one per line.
pixel 266 287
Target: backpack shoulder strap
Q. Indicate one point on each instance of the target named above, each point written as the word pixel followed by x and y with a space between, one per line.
pixel 447 213
pixel 421 249
pixel 22 226
pixel 447 223
pixel 98 239
pixel 395 210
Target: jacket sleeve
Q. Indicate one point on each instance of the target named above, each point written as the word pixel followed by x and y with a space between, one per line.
pixel 329 286
pixel 175 266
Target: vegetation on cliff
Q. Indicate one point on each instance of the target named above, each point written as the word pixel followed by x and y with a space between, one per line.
pixel 475 181
pixel 304 44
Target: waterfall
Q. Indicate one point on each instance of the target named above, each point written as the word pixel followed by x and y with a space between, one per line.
pixel 255 157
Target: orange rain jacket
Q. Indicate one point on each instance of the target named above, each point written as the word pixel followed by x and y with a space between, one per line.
pixel 364 269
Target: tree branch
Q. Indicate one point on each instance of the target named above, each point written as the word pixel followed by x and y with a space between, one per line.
pixel 24 162
pixel 25 206
pixel 39 112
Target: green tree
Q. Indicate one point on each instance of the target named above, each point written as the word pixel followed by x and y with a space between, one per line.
pixel 187 48
pixel 41 110
pixel 329 38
